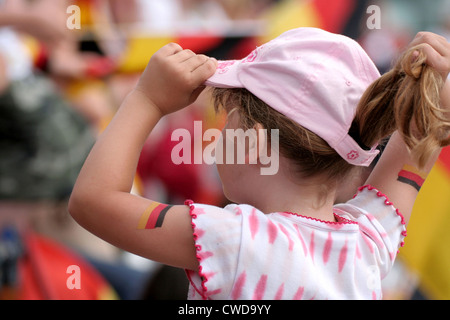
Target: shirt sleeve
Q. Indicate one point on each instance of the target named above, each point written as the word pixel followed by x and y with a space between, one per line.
pixel 217 234
pixel 379 221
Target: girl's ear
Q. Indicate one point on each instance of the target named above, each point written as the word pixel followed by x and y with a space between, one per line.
pixel 258 145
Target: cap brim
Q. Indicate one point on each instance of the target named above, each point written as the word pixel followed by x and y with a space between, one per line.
pixel 226 75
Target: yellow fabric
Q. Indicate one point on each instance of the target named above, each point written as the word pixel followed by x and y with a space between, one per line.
pixel 139 51
pixel 427 250
pixel 107 293
pixel 290 14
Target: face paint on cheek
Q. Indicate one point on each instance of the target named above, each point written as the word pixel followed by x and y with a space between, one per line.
pixel 412 176
pixel 153 216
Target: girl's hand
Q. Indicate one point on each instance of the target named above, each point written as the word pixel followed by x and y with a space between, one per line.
pixel 396 158
pixel 174 78
pixel 437 50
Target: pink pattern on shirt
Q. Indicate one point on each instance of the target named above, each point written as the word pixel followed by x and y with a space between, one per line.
pixel 327 248
pixel 237 290
pixel 254 223
pixel 205 254
pixel 280 291
pixel 199 233
pixel 305 249
pixel 209 275
pixel 299 294
pixel 272 231
pixel 343 256
pixel 367 242
pixel 344 250
pixel 260 288
pixel 213 292
pixel 311 246
pixel 358 252
pixel 286 233
pixel 372 235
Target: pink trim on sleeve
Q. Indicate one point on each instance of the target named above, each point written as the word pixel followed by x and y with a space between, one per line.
pixel 388 203
pixel 198 248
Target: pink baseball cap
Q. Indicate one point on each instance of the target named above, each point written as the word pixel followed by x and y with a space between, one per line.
pixel 314 77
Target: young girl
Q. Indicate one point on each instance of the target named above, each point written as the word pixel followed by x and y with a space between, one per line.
pixel 284 238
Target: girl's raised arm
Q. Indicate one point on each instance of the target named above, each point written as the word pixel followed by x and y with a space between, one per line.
pixel 101 200
pixel 398 175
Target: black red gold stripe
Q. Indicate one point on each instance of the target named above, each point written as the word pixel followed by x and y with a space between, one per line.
pixel 154 216
pixel 412 176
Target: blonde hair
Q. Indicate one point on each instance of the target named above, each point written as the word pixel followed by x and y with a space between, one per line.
pixel 405 99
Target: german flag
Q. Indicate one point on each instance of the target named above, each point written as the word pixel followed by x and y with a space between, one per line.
pixel 426 252
pixel 411 176
pixel 153 217
pixel 338 16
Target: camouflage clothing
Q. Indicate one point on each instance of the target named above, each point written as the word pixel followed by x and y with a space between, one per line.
pixel 43 142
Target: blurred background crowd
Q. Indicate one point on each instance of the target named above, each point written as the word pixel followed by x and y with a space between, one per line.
pixel 60 86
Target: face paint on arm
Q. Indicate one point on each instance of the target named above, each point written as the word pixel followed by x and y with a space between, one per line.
pixel 153 216
pixel 412 176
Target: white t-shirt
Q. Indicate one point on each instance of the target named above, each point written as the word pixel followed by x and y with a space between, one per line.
pixel 245 254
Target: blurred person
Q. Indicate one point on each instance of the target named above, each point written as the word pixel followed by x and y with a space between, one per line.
pixel 43 142
pixel 77 61
pixel 22 113
pixel 168 17
pixel 194 16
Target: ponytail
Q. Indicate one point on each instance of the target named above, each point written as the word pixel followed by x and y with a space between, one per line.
pixel 406 99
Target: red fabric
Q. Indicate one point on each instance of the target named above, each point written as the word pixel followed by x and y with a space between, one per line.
pixel 200 43
pixel 43 273
pixel 334 14
pixel 444 158
pixel 155 162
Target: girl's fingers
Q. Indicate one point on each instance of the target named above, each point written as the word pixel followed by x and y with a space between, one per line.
pixel 183 56
pixel 195 62
pixel 434 58
pixel 437 50
pixel 171 49
pixel 437 42
pixel 205 69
